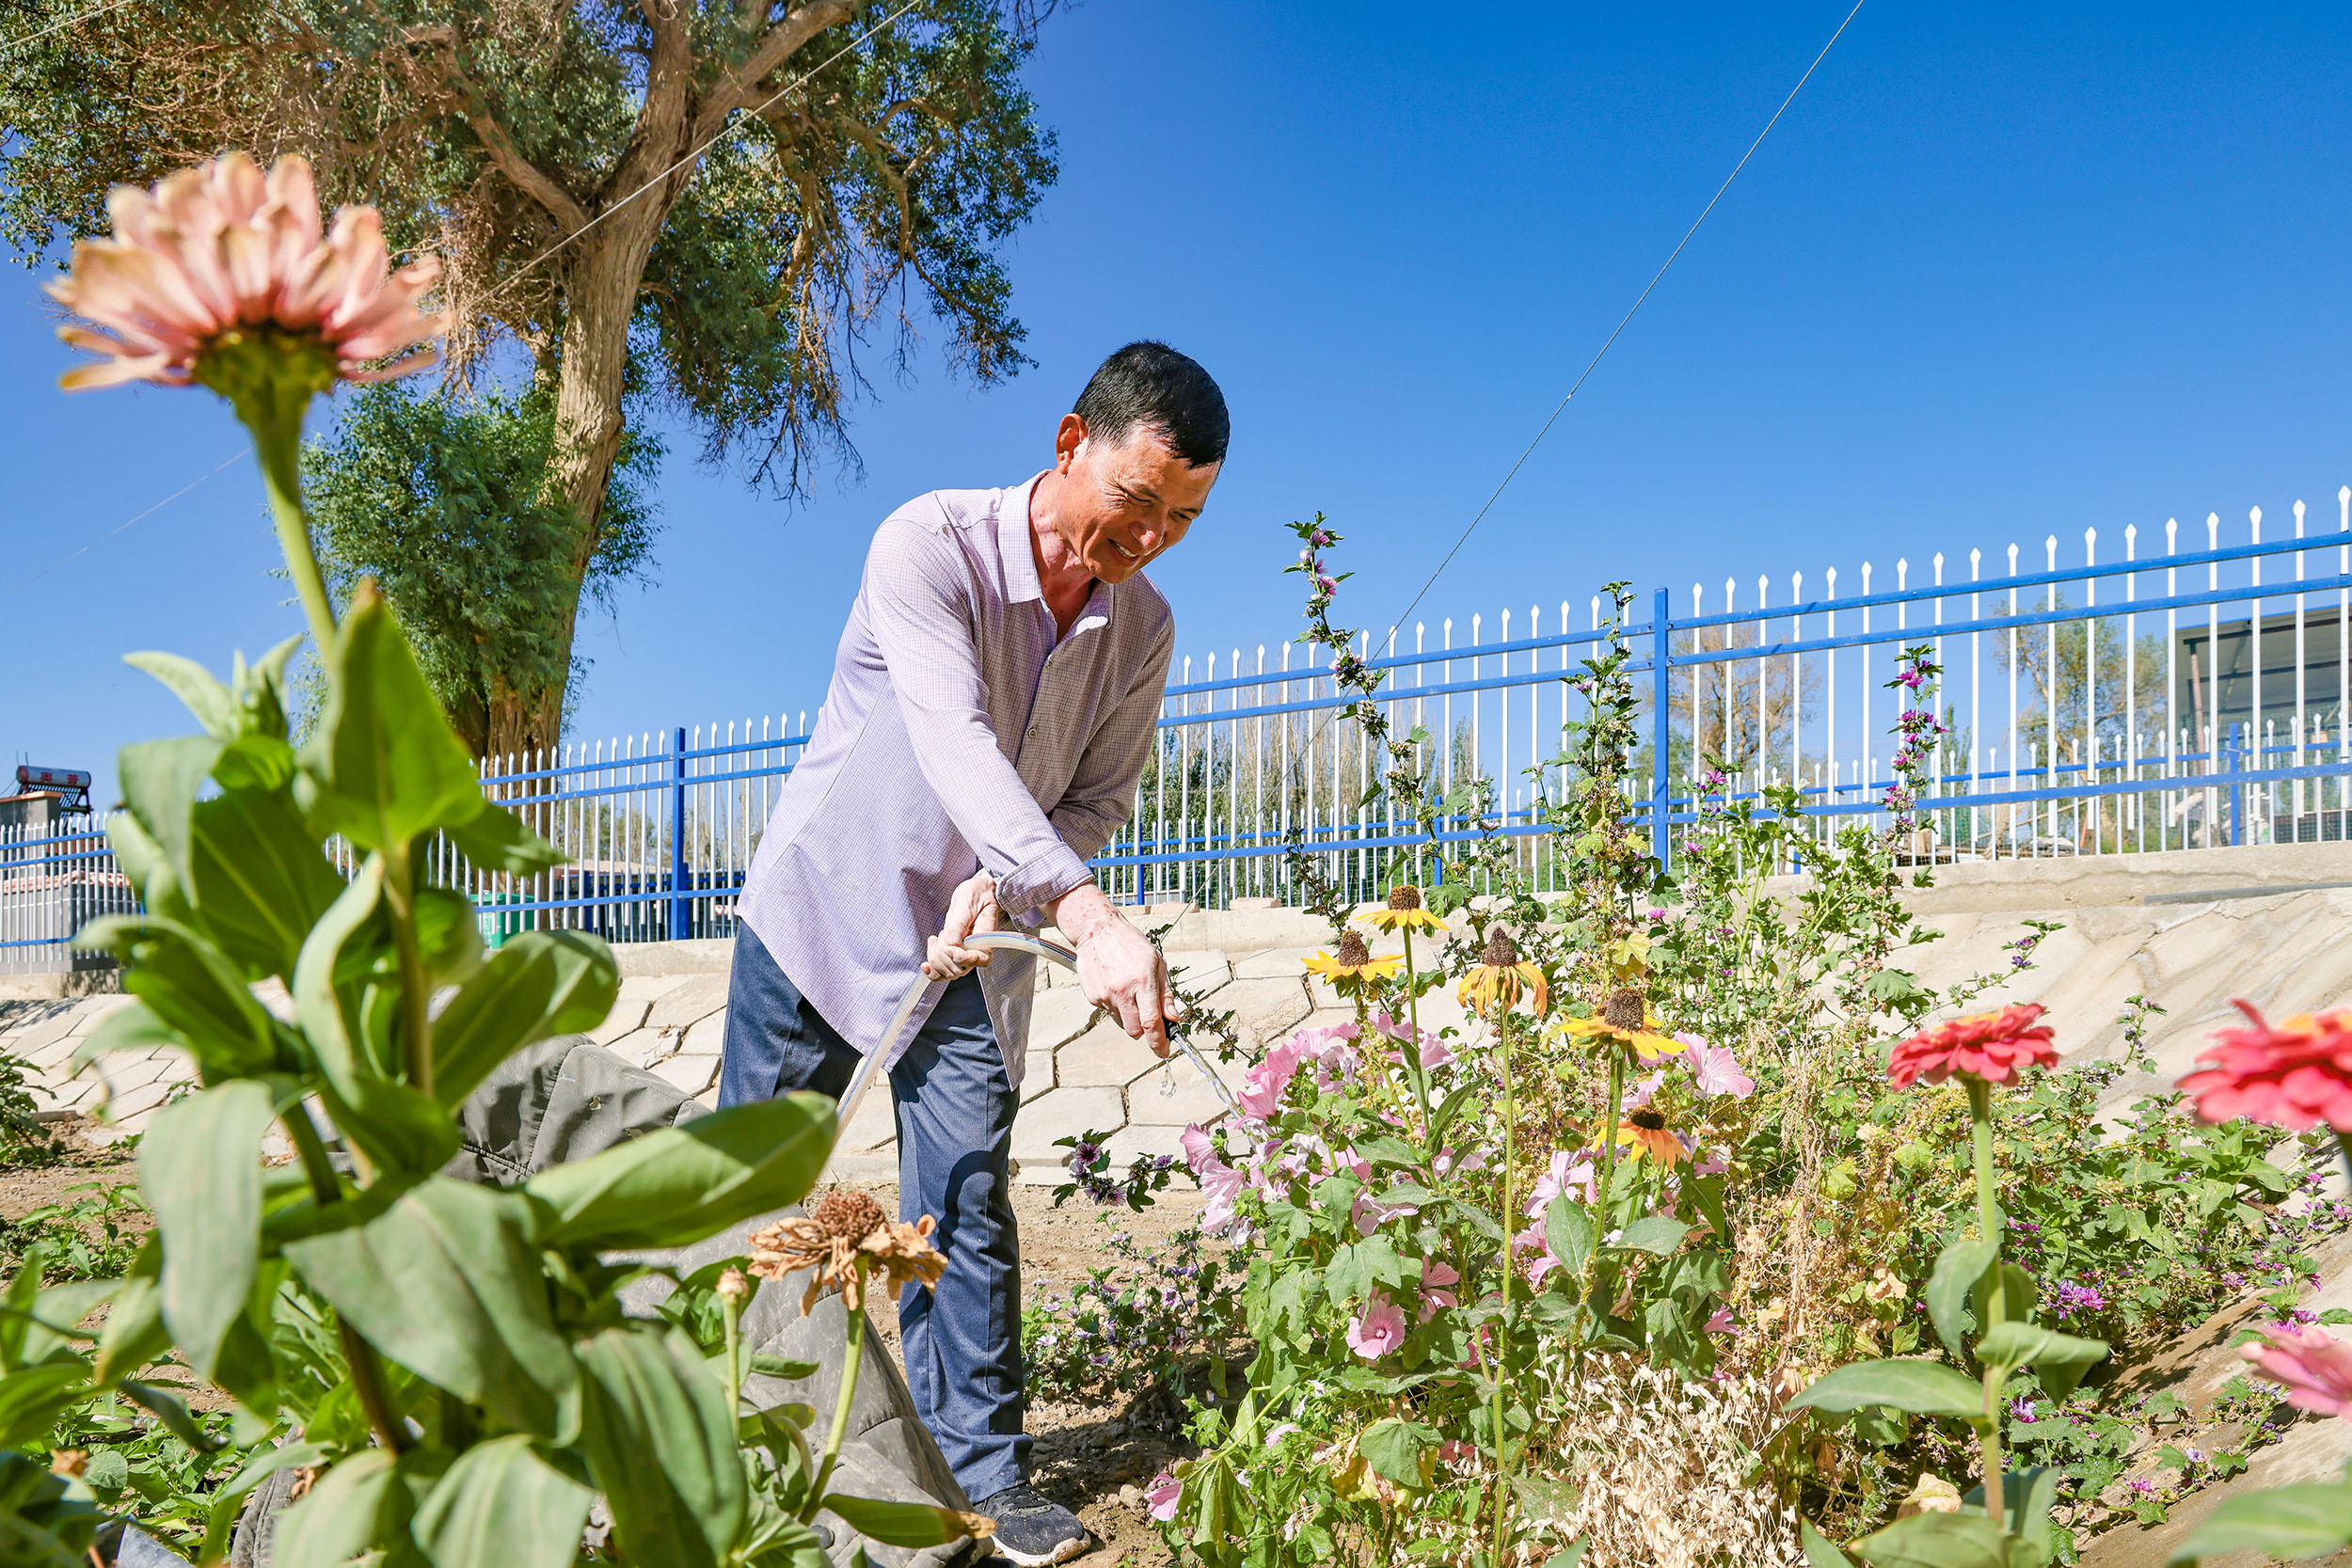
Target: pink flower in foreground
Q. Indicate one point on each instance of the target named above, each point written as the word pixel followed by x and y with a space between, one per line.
pixel 1434 1051
pixel 1990 1046
pixel 1221 1184
pixel 1163 1496
pixel 2290 1074
pixel 1533 1240
pixel 1437 1280
pixel 1562 1175
pixel 2313 1365
pixel 1453 1451
pixel 1369 1213
pixel 1714 1070
pixel 1723 1321
pixel 1269 1079
pixel 1379 1331
pixel 222 246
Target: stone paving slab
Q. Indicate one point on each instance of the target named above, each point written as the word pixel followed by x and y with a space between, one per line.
pixel 698 998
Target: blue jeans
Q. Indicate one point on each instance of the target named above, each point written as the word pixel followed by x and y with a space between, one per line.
pixel 963 1340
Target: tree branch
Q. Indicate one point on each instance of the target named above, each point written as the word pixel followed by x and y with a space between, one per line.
pixel 526 176
pixel 740 89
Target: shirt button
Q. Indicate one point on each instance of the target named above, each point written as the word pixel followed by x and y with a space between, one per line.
pixel 1032 732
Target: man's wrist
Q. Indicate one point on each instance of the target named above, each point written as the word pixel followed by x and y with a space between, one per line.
pixel 1084 912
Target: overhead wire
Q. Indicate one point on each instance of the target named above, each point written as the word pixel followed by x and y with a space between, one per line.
pixel 1627 319
pixel 26 582
pixel 800 81
pixel 61 25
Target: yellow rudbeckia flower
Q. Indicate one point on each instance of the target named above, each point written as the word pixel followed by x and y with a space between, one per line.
pixel 1355 967
pixel 1404 912
pixel 1502 977
pixel 1627 1017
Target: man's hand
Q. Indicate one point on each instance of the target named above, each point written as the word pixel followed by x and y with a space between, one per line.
pixel 972 909
pixel 1117 966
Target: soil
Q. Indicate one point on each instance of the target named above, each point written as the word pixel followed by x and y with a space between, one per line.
pixel 1094 1458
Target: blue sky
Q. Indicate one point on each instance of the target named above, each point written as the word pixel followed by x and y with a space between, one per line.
pixel 2002 271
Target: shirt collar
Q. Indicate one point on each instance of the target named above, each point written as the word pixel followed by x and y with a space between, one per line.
pixel 1012 544
pixel 1020 560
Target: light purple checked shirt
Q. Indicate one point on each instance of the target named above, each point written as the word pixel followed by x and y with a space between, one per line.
pixel 957 733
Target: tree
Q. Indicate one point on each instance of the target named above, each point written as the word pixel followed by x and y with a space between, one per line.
pixel 649 183
pixel 438 501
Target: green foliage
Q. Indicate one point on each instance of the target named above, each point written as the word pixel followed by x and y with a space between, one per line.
pixel 90 1237
pixel 443 501
pixel 1155 1325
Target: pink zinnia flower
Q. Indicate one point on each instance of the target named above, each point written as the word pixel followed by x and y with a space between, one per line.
pixel 2290 1074
pixel 1437 1280
pixel 222 246
pixel 2314 1366
pixel 1163 1496
pixel 1714 1070
pixel 1990 1046
pixel 1379 1331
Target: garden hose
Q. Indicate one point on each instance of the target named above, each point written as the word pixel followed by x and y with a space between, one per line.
pixel 870 1067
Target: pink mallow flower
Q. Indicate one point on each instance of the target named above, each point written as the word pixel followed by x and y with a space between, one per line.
pixel 1434 1051
pixel 1369 1213
pixel 1221 1184
pixel 1269 1079
pixel 1165 1493
pixel 1532 1239
pixel 1562 1175
pixel 1713 1068
pixel 1436 1282
pixel 1724 1322
pixel 1379 1331
pixel 2313 1365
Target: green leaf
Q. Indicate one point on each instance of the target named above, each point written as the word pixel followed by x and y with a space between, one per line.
pixel 384 764
pixel 227 1504
pixel 133 1026
pixel 502 1505
pixel 764 1365
pixel 662 1445
pixel 258 877
pixel 168 1407
pixel 149 869
pixel 2027 1497
pixel 134 1334
pixel 1957 1268
pixel 2062 1359
pixel 160 782
pixel 1820 1551
pixel 899 1524
pixel 215 706
pixel 1945 1541
pixel 200 1169
pixel 197 993
pixel 1922 1388
pixel 2019 1294
pixel 539 985
pixel 32 1399
pixel 1655 1234
pixel 362 1503
pixel 676 1185
pixel 1568 1231
pixel 53 1325
pixel 495 839
pixel 2287 1522
pixel 1385 1149
pixel 1400 1451
pixel 440 1276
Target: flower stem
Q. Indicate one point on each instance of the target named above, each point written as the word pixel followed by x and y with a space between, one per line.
pixel 1995 1302
pixel 269 379
pixel 1412 1048
pixel 1502 1323
pixel 416 996
pixel 731 1312
pixel 840 1408
pixel 367 1372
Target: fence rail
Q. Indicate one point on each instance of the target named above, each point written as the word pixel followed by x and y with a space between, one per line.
pixel 2128 703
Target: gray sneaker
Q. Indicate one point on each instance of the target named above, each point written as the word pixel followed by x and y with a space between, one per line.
pixel 1032 1529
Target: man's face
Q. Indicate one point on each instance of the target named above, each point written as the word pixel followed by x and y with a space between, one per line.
pixel 1124 504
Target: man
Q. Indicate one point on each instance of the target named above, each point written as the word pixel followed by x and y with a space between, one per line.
pixel 992 703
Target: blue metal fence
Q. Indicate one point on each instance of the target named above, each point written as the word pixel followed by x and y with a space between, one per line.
pixel 2121 705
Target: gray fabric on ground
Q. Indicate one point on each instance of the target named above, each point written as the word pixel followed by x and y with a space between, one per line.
pixel 566 1099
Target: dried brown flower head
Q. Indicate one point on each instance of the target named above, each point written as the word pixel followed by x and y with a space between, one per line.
pixel 1404 896
pixel 1624 1008
pixel 1645 1117
pixel 1353 952
pixel 841 1237
pixel 1502 952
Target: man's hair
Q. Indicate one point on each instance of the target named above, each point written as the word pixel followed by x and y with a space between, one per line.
pixel 1152 385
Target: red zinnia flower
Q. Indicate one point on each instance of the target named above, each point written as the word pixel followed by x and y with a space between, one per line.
pixel 1990 1046
pixel 2290 1074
